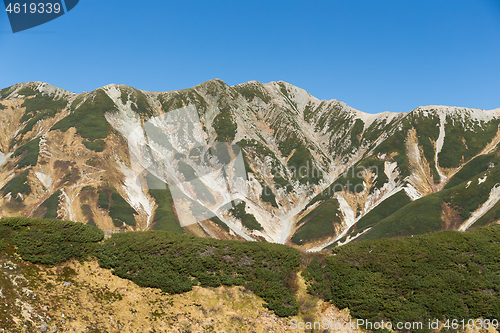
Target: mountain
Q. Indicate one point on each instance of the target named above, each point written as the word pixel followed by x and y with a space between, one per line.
pixel 252 161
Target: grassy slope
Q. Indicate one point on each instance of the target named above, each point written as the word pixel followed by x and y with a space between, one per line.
pixel 119 209
pixel 442 275
pixel 424 215
pixel 164 217
pixel 38 108
pixel 318 223
pixel 377 214
pixel 88 119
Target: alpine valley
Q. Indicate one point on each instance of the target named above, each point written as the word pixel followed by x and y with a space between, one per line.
pixel 318 173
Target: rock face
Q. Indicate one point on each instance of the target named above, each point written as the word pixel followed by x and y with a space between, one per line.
pixel 315 172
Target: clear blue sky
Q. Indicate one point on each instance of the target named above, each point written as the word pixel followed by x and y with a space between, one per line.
pixel 387 55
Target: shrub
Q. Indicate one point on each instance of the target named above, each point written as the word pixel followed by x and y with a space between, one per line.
pixel 48 241
pixel 435 276
pixel 175 263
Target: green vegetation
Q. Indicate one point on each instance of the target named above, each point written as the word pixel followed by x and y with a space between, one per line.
pixel 178 99
pixel 303 167
pixel 384 209
pixel 352 180
pixel 319 223
pixel 164 217
pixel 467 199
pixel 443 275
pixel 51 205
pixel 139 102
pixel 175 263
pixel 29 153
pixel 2 107
pixel 6 91
pixel 218 221
pixel 475 167
pixel 493 215
pixel 335 120
pixel 17 185
pixel 141 105
pixel 247 219
pixel 89 118
pixel 87 212
pixel 49 241
pixel 356 132
pixel 462 143
pixel 288 144
pixel 171 101
pixel 252 149
pixel 253 90
pixel 395 144
pixel 427 131
pixel 119 209
pixel 224 125
pixel 418 217
pixel 284 91
pixel 268 196
pixel 39 108
pixel 97 146
pixel 310 111
pixel 27 91
pixel 424 215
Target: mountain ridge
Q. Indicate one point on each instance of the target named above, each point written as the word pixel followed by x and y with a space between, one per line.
pixel 354 161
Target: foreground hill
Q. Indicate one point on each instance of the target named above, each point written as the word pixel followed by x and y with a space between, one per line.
pixel 315 173
pixel 58 275
pixel 54 277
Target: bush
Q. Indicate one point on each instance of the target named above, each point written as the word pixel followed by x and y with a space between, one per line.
pixel 224 126
pixel 436 276
pixel 48 241
pixel 39 108
pixel 175 263
pixel 51 205
pixel 267 195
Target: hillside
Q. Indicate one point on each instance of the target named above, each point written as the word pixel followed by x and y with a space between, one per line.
pixel 42 290
pixel 60 275
pixel 445 275
pixel 266 162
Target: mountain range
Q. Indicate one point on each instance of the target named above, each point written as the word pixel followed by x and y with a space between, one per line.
pixel 316 173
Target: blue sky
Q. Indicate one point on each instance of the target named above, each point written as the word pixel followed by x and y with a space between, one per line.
pixel 375 55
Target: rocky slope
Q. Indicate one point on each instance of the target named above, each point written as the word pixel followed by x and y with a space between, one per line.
pixel 315 173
